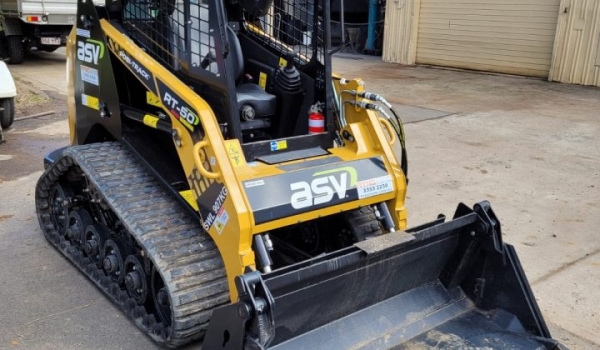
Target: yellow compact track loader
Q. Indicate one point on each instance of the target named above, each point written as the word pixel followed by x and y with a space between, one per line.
pixel 223 186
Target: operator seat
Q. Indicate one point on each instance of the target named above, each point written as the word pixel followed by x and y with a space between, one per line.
pixel 248 94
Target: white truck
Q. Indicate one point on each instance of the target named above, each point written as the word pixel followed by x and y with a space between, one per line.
pixel 43 24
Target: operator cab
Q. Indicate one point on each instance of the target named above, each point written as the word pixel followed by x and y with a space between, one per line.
pixel 261 49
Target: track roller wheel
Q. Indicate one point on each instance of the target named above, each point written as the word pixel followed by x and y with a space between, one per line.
pixel 95 236
pixel 160 295
pixel 113 260
pixel 59 208
pixel 135 279
pixel 362 223
pixel 78 221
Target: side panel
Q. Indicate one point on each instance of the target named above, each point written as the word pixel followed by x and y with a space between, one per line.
pixel 96 113
pixel 52 5
pixel 49 7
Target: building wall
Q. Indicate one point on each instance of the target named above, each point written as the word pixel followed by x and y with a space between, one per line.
pixel 576 56
pixel 401 30
pixel 575 52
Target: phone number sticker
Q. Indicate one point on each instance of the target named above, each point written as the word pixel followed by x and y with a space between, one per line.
pixel 374 187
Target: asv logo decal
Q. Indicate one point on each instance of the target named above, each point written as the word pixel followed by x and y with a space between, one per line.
pixel 90 51
pixel 323 188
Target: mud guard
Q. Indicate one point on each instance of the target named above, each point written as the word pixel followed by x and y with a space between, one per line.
pixel 449 284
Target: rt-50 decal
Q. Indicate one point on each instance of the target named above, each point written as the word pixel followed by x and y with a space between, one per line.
pixel 178 108
pixel 181 112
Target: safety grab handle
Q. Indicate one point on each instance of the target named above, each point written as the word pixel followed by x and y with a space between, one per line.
pixel 389 128
pixel 200 165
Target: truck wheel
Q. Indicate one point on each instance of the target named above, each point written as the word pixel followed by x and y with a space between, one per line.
pixel 48 48
pixel 7 116
pixel 16 49
pixel 3 47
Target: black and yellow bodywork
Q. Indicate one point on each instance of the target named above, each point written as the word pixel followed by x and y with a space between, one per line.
pixel 311 227
pixel 218 173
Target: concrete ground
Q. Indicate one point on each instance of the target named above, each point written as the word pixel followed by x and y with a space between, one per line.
pixel 528 146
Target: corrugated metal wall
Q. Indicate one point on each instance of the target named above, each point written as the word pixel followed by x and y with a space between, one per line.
pixel 506 36
pixel 401 28
pixel 577 47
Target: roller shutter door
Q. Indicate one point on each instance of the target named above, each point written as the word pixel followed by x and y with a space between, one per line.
pixel 505 36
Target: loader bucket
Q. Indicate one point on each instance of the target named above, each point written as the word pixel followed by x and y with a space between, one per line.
pixel 450 285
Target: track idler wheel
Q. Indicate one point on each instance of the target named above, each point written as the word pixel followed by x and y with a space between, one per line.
pixel 135 279
pixel 160 295
pixel 112 262
pixel 78 221
pixel 94 238
pixel 59 207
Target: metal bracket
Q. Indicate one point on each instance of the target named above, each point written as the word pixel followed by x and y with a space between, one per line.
pixel 489 227
pixel 247 324
pixel 485 234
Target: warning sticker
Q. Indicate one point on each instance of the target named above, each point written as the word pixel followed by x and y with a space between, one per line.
pixel 189 197
pixel 282 62
pixel 152 99
pixel 235 153
pixel 278 145
pixel 90 101
pixel 221 220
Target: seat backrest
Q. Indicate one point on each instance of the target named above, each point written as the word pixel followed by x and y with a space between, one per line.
pixel 236 54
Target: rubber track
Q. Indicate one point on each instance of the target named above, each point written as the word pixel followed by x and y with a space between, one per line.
pixel 188 260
